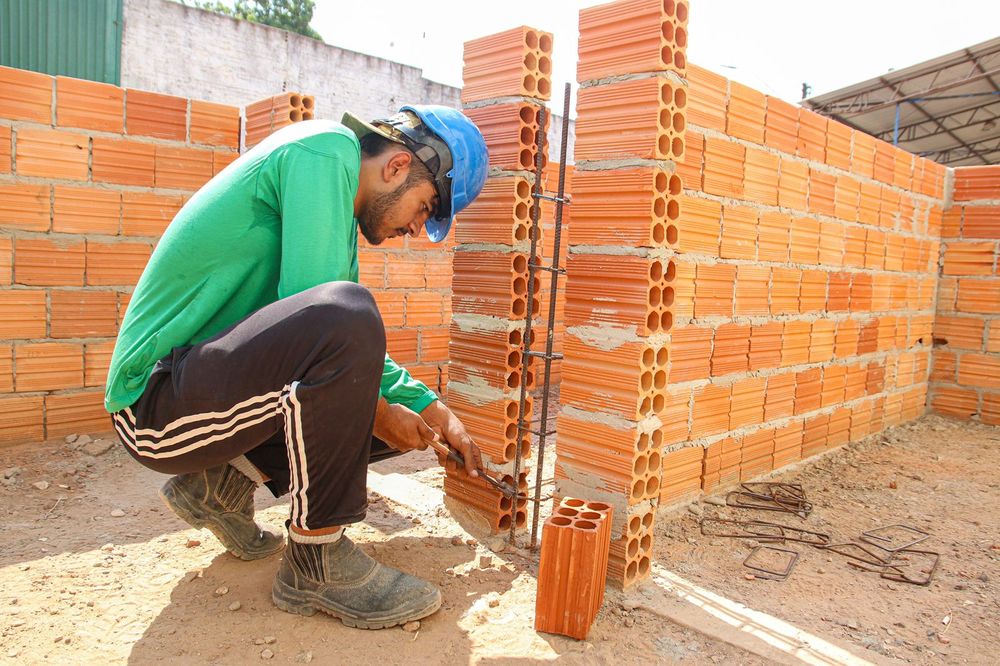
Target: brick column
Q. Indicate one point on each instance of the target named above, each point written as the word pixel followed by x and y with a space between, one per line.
pixel 631 118
pixel 507 80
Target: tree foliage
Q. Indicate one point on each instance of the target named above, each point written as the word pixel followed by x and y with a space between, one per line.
pixel 291 15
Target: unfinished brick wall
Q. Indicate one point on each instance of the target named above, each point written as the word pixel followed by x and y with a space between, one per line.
pixel 90 176
pixel 805 292
pixel 506 82
pixel 620 293
pixel 965 379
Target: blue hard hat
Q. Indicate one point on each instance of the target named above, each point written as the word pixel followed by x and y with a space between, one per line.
pixel 469 163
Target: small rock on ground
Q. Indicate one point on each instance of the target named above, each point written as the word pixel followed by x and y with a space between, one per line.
pixel 98 447
pixel 412 626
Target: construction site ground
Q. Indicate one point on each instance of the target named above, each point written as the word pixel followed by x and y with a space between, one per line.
pixel 94 569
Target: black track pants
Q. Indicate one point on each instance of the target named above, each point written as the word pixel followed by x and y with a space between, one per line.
pixel 292 386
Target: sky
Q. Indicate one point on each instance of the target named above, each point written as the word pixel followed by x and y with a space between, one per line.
pixel 771 45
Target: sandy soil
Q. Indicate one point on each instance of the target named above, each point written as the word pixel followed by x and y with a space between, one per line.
pixel 95 570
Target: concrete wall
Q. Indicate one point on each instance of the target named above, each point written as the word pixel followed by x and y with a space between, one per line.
pixel 170 48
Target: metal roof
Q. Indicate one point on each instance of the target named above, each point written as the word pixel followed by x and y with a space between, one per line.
pixel 946 109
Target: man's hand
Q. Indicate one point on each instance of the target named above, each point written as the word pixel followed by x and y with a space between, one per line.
pixel 402 428
pixel 444 422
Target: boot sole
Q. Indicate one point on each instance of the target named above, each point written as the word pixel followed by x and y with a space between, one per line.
pixel 291 600
pixel 183 506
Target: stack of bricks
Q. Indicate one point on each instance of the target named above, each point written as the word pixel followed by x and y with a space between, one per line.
pixel 272 113
pixel 507 80
pixel 804 290
pixel 621 273
pixel 90 176
pixel 966 373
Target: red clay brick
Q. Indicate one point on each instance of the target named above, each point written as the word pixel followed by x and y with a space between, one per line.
pixel 47 153
pixel 48 366
pixel 116 263
pixel 22 418
pixel 45 262
pixel 86 210
pixel 75 412
pixel 123 162
pixel 89 104
pixel 25 95
pixel 84 314
pixel 156 115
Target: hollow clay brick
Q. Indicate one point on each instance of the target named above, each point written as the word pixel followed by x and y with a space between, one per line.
pixel 632 37
pixel 89 104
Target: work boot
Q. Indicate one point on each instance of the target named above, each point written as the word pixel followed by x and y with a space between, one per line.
pixel 221 499
pixel 339 579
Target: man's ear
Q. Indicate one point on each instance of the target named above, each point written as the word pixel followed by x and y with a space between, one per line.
pixel 397 167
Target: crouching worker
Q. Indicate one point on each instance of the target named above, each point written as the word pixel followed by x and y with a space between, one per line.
pixel 250 355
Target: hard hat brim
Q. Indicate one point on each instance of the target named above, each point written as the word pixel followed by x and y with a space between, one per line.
pixel 362 128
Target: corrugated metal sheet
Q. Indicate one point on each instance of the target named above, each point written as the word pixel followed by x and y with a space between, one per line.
pixel 80 38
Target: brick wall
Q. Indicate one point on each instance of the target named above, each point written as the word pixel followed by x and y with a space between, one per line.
pixel 804 300
pixel 90 176
pixel 965 378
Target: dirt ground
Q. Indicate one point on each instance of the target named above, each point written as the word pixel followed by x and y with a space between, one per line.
pixel 95 569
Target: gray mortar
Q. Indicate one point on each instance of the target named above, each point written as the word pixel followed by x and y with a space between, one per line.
pixel 510 99
pixel 611 250
pixel 521 248
pixel 478 391
pixel 605 337
pixel 668 166
pixel 672 77
pixel 472 323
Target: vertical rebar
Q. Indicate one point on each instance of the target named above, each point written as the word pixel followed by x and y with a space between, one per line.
pixel 550 333
pixel 523 425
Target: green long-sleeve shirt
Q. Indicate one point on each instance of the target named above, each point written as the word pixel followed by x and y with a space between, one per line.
pixel 277 221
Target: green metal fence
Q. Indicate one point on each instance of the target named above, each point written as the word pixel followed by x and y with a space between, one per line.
pixel 79 38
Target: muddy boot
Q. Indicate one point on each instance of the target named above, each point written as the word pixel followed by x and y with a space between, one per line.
pixel 221 499
pixel 339 579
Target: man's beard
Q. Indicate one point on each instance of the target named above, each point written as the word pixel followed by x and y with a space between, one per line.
pixel 372 219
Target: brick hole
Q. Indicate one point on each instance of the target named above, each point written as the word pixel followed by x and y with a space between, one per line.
pixel 307 102
pixel 655 297
pixel 514 380
pixel 521 232
pixel 590 515
pixel 634 524
pixel 520 286
pixel 512 409
pixel 659 207
pixel 545 65
pixel 518 307
pixel 669 7
pixel 638 489
pixel 526 159
pixel 630 572
pixel 652 486
pixel 666 96
pixel 295 100
pixel 663 144
pixel 632 548
pixel 573 502
pixel 645 406
pixel 529 83
pixel 680 62
pixel 307 115
pixel 647 520
pixel 673 210
pixel 294 115
pixel 666 321
pixel 668 297
pixel 659 382
pixel 662 355
pixel 680 99
pixel 659 233
pixel 545 43
pixel 585 525
pixel 653 322
pixel 648 358
pixel 656 271
pixel 531 39
pixel 681 38
pixel 530 61
pixel 504 523
pixel 506 503
pixel 508 452
pixel 567 511
pixel 527 115
pixel 667 28
pixel 646 380
pixel 640 465
pixel 655 461
pixel 521 518
pixel 671 234
pixel 682 12
pixel 643 565
pixel 657 438
pixel 544 87
pixel 520 264
pixel 666 55
pixel 598 506
pixel 643 443
pixel 658 403
pixel 676 185
pixel 677 146
pixel 679 123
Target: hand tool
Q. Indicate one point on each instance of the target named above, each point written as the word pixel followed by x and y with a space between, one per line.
pixel 456 457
